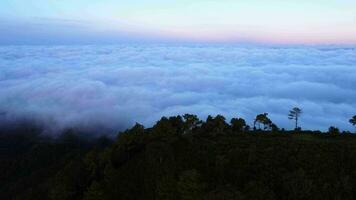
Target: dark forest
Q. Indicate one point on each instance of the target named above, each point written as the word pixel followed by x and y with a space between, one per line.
pixel 180 157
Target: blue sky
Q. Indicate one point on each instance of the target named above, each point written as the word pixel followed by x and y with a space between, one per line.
pixel 268 21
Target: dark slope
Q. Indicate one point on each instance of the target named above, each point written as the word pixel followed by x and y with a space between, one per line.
pixel 182 158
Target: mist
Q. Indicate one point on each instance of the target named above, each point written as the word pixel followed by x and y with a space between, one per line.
pixel 108 88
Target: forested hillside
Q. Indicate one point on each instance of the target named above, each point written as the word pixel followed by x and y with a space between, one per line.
pixel 180 158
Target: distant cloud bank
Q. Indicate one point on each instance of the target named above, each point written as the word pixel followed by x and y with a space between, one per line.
pixel 112 87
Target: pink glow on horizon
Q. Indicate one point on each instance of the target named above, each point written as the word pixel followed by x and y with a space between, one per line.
pixel 267 36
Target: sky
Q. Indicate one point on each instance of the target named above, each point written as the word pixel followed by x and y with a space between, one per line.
pixel 224 21
pixel 237 58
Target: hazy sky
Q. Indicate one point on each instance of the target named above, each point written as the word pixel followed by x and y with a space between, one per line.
pixel 267 21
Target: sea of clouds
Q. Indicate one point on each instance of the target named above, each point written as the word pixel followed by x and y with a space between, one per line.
pixel 111 87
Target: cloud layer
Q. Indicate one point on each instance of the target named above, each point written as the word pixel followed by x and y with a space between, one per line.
pixel 111 87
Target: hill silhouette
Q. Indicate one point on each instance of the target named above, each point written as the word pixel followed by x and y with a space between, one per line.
pixel 180 157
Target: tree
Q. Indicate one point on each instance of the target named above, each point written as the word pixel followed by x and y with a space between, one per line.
pixel 131 136
pixel 238 124
pixel 294 114
pixel 334 131
pixel 215 125
pixel 263 119
pixel 191 122
pixel 168 126
pixel 353 120
pixel 258 120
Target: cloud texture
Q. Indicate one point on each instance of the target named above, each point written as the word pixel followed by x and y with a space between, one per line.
pixel 111 87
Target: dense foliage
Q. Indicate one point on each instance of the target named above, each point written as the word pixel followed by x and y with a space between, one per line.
pixel 181 158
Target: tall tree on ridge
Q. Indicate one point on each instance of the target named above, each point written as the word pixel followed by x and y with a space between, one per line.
pixel 294 114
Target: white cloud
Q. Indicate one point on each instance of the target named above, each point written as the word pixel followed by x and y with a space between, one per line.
pixel 115 86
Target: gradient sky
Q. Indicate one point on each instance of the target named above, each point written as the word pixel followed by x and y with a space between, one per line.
pixel 267 21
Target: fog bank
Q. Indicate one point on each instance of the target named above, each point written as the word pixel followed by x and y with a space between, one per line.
pixel 111 87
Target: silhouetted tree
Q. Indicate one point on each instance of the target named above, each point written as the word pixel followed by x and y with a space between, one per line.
pixel 334 131
pixel 267 124
pixel 132 135
pixel 294 114
pixel 353 120
pixel 238 124
pixel 177 123
pixel 215 125
pixel 191 122
pixel 263 119
pixel 259 120
pixel 168 126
